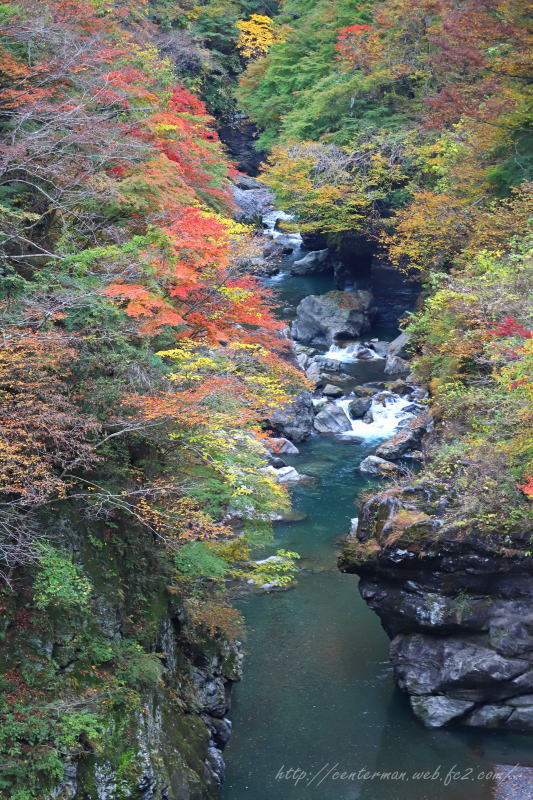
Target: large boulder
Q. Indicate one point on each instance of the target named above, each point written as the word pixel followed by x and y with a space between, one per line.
pixel 394 365
pixel 381 348
pixel 312 263
pixel 261 266
pixel 407 438
pixel 332 419
pixel 321 319
pixel 294 421
pixel 330 390
pixel 359 407
pixel 372 465
pixel 314 372
pixel 290 475
pixel 367 390
pixel 281 446
pixel 243 181
pixel 274 249
pixel 252 204
pixel 339 379
pixel 398 346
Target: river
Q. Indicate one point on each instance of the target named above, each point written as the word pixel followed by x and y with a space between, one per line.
pixel 318 698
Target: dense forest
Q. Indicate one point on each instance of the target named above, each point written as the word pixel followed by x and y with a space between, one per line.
pixel 410 126
pixel 143 353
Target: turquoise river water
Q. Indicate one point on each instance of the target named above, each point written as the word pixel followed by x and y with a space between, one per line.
pixel 318 699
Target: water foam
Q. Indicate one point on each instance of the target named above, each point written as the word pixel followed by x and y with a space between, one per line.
pixel 348 353
pixel 269 221
pixel 388 414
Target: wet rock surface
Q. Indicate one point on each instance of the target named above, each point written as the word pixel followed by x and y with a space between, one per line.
pixel 321 319
pixel 359 407
pixel 313 263
pixel 294 421
pixel 373 465
pixel 459 612
pixel 332 419
pixel 408 438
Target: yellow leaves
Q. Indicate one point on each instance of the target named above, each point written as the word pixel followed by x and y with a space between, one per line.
pixel 236 231
pixel 193 370
pixel 163 127
pixel 256 35
pixel 428 231
pixel 192 363
pixel 251 348
pixel 268 390
pixel 235 293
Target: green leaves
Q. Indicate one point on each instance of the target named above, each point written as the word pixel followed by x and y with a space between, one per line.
pixel 60 583
pixel 197 560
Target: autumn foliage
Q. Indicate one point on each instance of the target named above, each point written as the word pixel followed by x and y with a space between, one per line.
pixel 118 244
pixel 405 124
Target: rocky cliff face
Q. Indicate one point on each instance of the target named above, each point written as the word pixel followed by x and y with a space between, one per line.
pixel 459 610
pixel 138 667
pixel 177 737
pixel 170 748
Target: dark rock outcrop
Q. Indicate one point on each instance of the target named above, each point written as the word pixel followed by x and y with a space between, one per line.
pixel 239 136
pixel 407 438
pixel 294 421
pixel 459 609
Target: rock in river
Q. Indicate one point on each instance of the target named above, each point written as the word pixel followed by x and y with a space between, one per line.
pixel 332 391
pixel 290 475
pixel 294 421
pixel 407 438
pixel 398 346
pixel 395 365
pixel 359 407
pixel 438 710
pixel 321 319
pixel 332 419
pixel 281 446
pixel 312 263
pixel 458 608
pixel 372 465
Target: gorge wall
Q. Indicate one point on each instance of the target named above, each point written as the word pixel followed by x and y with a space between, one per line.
pixel 459 610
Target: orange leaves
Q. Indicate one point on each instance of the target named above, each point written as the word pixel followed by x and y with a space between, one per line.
pixel 126 188
pixel 429 231
pixel 527 487
pixel 152 311
pixel 42 431
pixel 180 519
